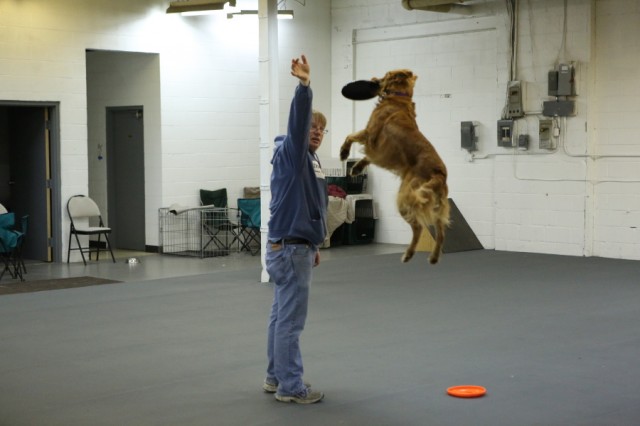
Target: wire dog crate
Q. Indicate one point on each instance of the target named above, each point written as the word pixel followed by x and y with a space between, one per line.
pixel 342 178
pixel 197 232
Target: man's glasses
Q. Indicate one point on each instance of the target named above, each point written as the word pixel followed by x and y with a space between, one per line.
pixel 319 130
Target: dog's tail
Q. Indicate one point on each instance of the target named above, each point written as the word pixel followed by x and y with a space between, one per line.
pixel 432 208
pixel 433 194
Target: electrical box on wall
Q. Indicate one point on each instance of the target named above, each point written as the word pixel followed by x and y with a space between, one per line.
pixel 505 133
pixel 558 108
pixel 515 97
pixel 523 142
pixel 565 80
pixel 468 137
pixel 545 135
pixel 552 83
pixel 561 85
pixel 561 81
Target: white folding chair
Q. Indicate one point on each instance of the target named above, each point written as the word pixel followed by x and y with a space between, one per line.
pixel 81 207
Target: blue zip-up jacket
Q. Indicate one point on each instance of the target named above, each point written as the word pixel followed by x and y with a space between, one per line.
pixel 298 187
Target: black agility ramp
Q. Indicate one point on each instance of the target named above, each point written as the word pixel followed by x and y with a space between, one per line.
pixel 459 236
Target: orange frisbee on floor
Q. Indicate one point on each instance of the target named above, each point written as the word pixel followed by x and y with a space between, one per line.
pixel 466 391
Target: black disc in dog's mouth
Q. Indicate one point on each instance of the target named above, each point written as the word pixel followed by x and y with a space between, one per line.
pixel 360 90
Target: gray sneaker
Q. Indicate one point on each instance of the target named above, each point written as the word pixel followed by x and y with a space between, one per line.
pixel 307 396
pixel 273 387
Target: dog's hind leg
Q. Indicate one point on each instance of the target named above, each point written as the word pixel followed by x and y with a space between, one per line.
pixel 411 249
pixel 345 149
pixel 406 204
pixel 435 211
pixel 437 250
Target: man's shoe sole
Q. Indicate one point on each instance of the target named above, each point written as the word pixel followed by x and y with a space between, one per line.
pixel 297 400
pixel 271 388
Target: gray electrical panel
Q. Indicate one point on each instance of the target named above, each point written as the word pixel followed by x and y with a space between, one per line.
pixel 565 80
pixel 505 133
pixel 561 81
pixel 523 142
pixel 545 134
pixel 552 83
pixel 514 99
pixel 558 108
pixel 468 136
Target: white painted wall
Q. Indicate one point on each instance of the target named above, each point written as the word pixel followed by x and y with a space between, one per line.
pixel 205 133
pixel 452 86
pixel 580 199
pixel 613 132
pixel 124 79
pixel 566 201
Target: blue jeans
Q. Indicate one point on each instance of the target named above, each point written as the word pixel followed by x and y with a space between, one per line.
pixel 290 267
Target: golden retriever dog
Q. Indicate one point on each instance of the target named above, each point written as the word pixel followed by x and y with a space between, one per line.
pixel 393 141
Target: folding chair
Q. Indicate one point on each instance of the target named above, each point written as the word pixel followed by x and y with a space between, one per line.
pixel 215 222
pixel 24 227
pixel 249 209
pixel 10 246
pixel 81 207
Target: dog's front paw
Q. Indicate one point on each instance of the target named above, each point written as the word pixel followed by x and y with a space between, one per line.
pixel 344 152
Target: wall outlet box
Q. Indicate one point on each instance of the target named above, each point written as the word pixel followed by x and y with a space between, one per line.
pixel 505 133
pixel 523 142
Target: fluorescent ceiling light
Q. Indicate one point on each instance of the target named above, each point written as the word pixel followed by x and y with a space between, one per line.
pixel 182 6
pixel 199 13
pixel 285 14
pixel 282 14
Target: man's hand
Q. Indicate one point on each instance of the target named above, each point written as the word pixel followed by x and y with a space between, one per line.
pixel 316 260
pixel 300 68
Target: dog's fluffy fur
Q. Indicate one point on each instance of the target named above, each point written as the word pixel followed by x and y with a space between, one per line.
pixel 393 141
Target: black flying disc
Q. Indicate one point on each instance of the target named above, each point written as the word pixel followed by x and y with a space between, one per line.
pixel 360 90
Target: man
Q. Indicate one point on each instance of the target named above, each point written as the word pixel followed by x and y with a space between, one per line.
pixel 296 230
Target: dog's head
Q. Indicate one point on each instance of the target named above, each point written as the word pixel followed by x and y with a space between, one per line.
pixel 397 82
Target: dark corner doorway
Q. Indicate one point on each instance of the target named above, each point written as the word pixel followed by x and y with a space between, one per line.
pixel 29 174
pixel 125 177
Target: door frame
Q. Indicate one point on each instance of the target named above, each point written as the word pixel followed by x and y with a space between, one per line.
pixel 112 204
pixel 55 205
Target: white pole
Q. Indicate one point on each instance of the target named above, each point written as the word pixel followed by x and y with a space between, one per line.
pixel 269 111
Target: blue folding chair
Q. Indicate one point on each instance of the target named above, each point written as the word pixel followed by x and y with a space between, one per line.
pixel 249 209
pixel 10 246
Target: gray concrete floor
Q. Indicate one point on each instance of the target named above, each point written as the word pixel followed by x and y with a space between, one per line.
pixel 554 340
pixel 154 266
